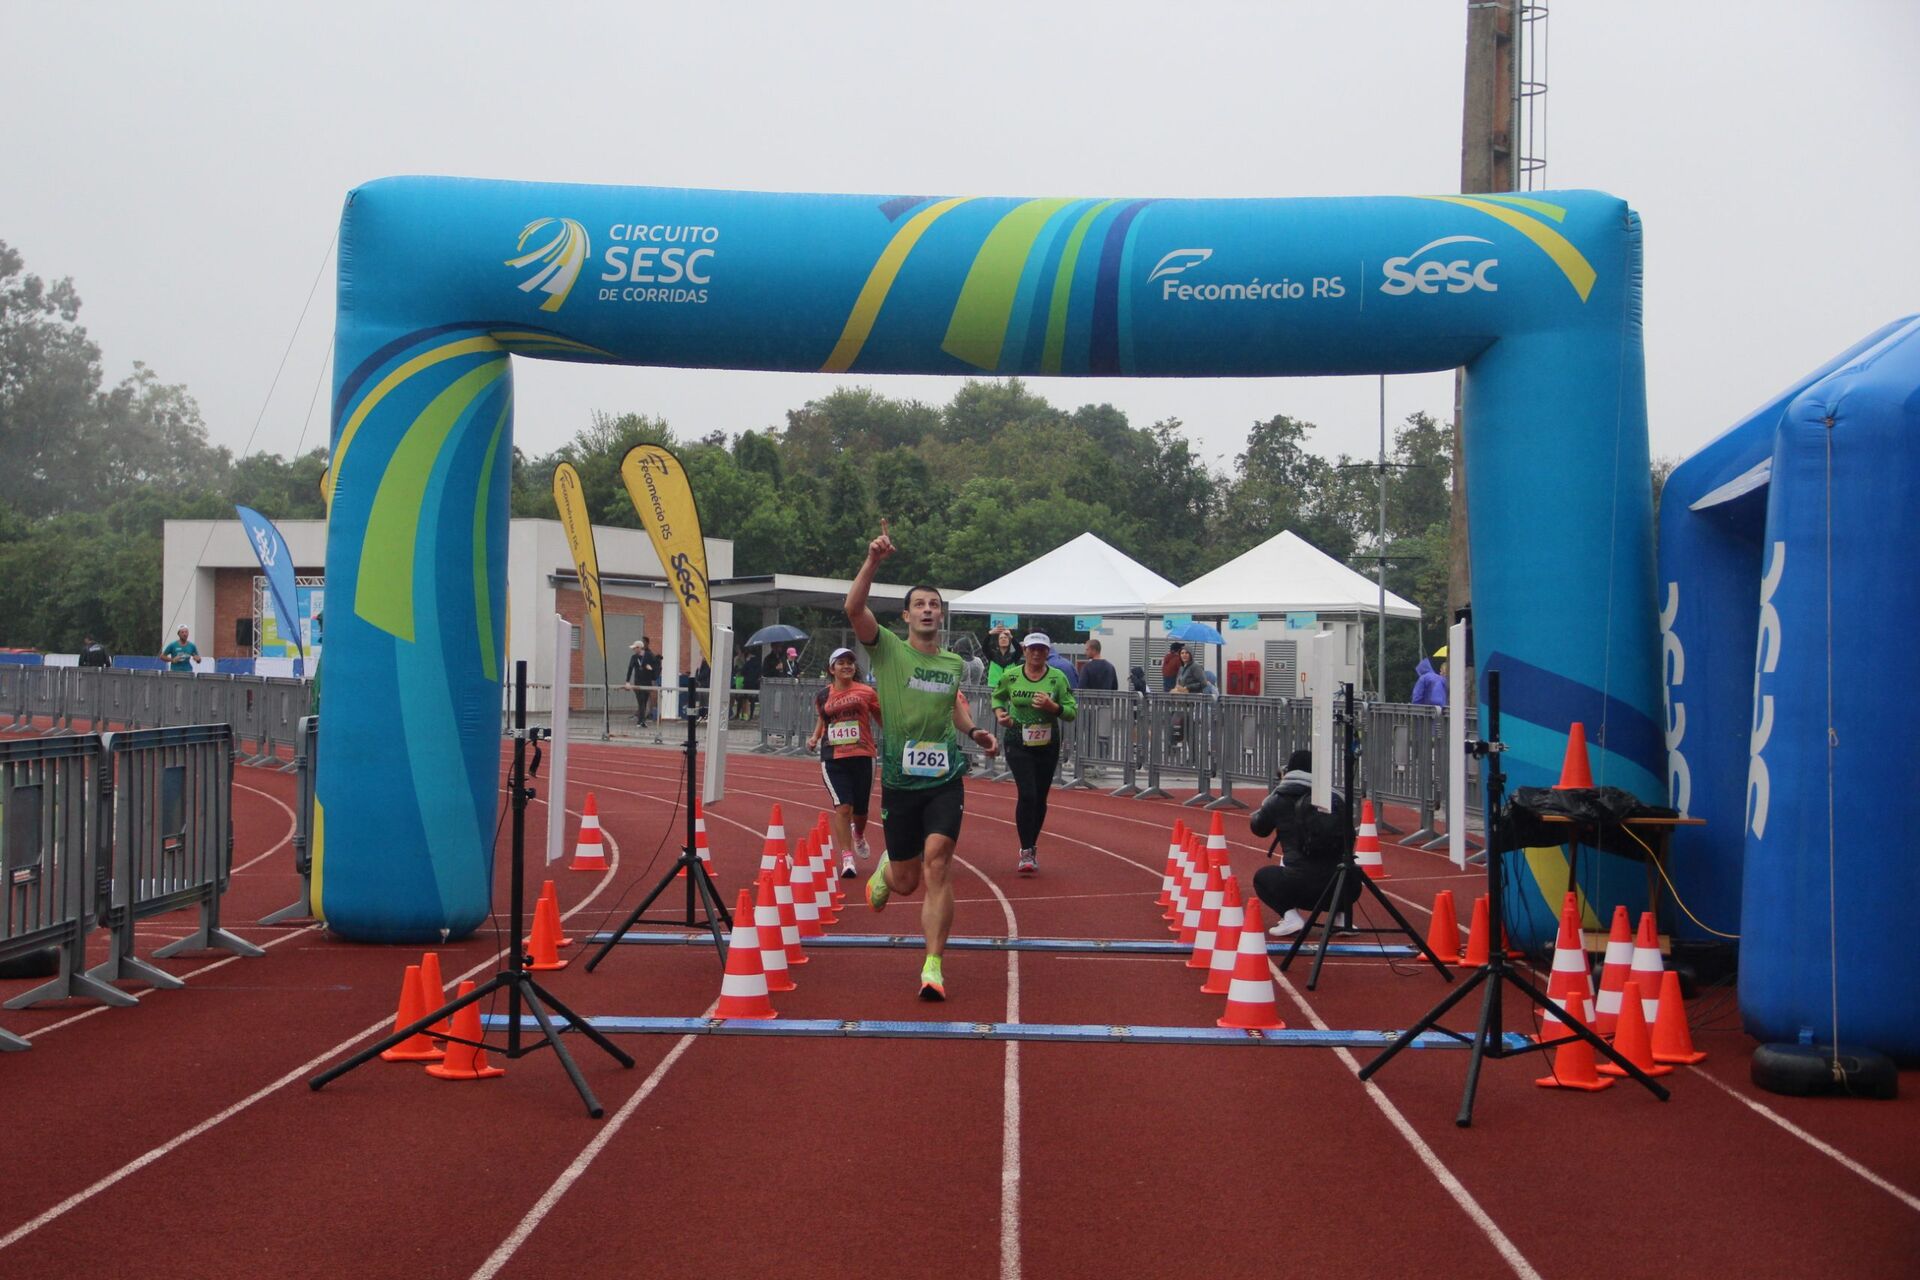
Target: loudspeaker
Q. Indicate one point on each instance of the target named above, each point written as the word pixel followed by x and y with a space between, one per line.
pixel 243 633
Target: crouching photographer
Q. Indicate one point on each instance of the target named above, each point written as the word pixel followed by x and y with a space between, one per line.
pixel 1312 846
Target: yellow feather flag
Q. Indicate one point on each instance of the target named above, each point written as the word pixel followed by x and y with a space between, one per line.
pixel 663 497
pixel 574 519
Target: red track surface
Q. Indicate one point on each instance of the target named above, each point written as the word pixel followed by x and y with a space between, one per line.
pixel 179 1138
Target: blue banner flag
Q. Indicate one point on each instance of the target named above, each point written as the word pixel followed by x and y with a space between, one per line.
pixel 276 561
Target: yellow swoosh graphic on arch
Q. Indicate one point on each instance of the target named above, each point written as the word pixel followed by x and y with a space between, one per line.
pixel 465 347
pixel 1578 271
pixel 866 308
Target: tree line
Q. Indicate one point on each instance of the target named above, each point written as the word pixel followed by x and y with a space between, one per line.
pixel 973 488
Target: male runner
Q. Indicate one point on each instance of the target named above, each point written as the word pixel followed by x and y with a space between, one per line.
pixel 923 716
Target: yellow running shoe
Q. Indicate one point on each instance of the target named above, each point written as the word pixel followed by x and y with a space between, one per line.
pixel 933 983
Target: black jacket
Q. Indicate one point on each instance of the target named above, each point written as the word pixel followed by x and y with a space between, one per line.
pixel 1099 674
pixel 1308 837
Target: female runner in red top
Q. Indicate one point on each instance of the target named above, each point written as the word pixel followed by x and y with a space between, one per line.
pixel 848 711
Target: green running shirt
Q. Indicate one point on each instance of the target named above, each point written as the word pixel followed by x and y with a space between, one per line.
pixel 917 691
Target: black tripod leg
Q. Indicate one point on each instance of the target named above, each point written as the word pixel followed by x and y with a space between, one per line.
pixel 1426 1023
pixel 1483 1039
pixel 539 1012
pixel 1330 903
pixel 1581 1030
pixel 474 996
pixel 719 920
pixel 581 1025
pixel 626 926
pixel 1405 927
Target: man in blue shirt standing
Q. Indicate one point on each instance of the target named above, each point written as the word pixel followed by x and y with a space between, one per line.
pixel 180 653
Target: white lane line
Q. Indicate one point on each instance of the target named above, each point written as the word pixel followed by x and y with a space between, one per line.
pixel 573 1172
pixel 1833 1153
pixel 1443 1175
pixel 1010 1099
pixel 285 840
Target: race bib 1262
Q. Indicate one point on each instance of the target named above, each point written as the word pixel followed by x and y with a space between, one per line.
pixel 924 759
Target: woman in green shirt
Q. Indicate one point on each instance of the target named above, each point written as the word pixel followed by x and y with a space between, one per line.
pixel 1031 701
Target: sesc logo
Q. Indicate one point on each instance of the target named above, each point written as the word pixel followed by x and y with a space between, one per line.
pixel 1457 276
pixel 559 259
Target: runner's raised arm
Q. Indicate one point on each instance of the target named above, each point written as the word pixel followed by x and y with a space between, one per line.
pixel 865 625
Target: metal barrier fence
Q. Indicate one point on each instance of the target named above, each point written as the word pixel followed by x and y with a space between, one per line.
pixel 171 801
pixel 306 767
pixel 50 825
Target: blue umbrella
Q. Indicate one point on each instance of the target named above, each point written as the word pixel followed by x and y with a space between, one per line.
pixel 778 633
pixel 1196 633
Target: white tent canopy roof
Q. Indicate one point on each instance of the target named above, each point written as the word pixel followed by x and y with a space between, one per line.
pixel 1284 574
pixel 1086 576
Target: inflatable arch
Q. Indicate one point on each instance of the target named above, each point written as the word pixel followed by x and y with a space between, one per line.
pixel 1787 615
pixel 441 280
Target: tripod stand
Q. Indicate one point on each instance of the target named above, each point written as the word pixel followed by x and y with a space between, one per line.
pixel 519 984
pixel 1497 974
pixel 1333 899
pixel 719 921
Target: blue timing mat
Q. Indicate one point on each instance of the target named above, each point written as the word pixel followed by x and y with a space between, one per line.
pixel 1095 946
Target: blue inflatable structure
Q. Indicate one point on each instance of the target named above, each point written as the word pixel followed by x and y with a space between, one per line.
pixel 1787 615
pixel 442 280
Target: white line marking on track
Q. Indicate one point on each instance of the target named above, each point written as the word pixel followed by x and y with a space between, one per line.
pixel 285 840
pixel 1010 1100
pixel 1831 1152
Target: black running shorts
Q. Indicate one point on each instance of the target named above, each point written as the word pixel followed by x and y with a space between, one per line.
pixel 910 815
pixel 849 781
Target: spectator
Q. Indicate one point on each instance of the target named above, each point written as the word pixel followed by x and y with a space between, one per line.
pixel 1098 674
pixel 1002 656
pixel 1313 844
pixel 1176 658
pixel 1137 679
pixel 1192 677
pixel 750 681
pixel 1064 665
pixel 94 654
pixel 180 653
pixel 643 679
pixel 1430 689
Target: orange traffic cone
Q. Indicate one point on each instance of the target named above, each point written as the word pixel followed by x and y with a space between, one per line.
pixel 766 919
pixel 1182 877
pixel 806 897
pixel 1570 966
pixel 1196 890
pixel 1217 840
pixel 465 1061
pixel 590 850
pixel 1648 966
pixel 1631 1039
pixel 1672 1038
pixel 823 882
pixel 774 848
pixel 1226 943
pixel 1250 1000
pixel 1613 974
pixel 1479 935
pixel 789 919
pixel 1573 1060
pixel 1575 774
pixel 1443 931
pixel 417 1047
pixel 1366 845
pixel 549 893
pixel 700 835
pixel 743 988
pixel 433 990
pixel 1173 865
pixel 1210 903
pixel 545 955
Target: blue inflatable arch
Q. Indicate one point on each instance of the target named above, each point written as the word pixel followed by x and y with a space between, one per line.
pixel 441 280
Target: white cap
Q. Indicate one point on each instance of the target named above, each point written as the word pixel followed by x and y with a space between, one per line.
pixel 1039 638
pixel 839 654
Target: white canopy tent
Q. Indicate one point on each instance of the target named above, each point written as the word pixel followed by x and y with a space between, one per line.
pixel 1085 576
pixel 1285 574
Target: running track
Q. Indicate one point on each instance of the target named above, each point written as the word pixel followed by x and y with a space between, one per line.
pixel 179 1138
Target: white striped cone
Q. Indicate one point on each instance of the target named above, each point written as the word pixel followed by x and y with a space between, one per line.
pixel 806 898
pixel 766 919
pixel 1217 838
pixel 774 848
pixel 700 835
pixel 1226 943
pixel 590 852
pixel 1250 1000
pixel 743 988
pixel 1196 889
pixel 789 919
pixel 1648 966
pixel 1173 866
pixel 1570 967
pixel 1210 904
pixel 1614 971
pixel 823 879
pixel 1366 845
pixel 1182 873
pixel 1573 1062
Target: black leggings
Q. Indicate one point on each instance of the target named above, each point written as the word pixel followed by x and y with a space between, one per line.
pixel 1033 778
